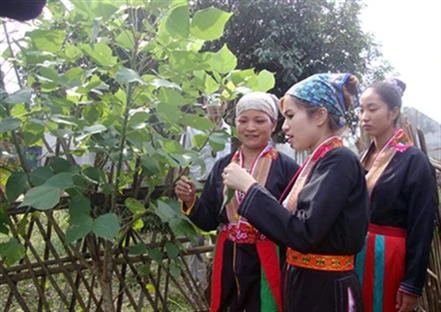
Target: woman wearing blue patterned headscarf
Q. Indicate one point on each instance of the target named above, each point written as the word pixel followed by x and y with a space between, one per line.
pixel 322 216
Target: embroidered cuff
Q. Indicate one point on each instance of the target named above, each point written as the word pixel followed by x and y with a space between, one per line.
pixel 187 209
pixel 410 290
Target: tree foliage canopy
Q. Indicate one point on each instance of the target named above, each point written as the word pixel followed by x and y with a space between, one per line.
pixel 297 38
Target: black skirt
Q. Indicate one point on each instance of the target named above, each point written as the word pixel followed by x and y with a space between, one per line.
pixel 306 290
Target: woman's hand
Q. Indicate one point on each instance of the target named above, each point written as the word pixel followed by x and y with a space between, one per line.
pixel 237 178
pixel 185 190
pixel 406 302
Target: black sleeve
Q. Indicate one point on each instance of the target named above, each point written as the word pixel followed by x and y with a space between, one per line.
pixel 422 193
pixel 319 204
pixel 205 212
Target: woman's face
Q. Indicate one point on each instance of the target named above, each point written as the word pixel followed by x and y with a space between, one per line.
pixel 375 115
pixel 300 129
pixel 254 129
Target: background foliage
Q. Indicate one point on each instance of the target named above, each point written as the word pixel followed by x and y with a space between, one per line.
pixel 298 38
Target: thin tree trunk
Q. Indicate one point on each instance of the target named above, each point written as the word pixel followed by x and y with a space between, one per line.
pixel 106 278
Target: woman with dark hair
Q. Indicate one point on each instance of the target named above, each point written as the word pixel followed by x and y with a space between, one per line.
pixel 323 219
pixel 246 269
pixel 403 200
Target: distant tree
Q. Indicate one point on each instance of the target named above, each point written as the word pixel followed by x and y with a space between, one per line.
pixel 297 38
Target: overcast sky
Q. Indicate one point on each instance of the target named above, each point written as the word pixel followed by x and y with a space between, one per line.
pixel 410 32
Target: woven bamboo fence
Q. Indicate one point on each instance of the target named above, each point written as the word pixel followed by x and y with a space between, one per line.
pixel 431 299
pixel 55 276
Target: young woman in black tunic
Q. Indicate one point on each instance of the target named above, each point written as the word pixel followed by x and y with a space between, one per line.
pixel 403 201
pixel 246 270
pixel 323 220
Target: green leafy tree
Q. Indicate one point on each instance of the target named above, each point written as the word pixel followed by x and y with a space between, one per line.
pixel 297 38
pixel 119 82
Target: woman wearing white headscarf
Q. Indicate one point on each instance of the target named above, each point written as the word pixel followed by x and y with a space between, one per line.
pixel 246 273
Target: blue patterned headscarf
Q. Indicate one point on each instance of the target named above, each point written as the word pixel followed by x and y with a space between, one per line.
pixel 323 90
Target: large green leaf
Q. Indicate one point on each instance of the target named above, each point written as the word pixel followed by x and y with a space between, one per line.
pixel 61 181
pixel 171 97
pixel 177 22
pixel 138 249
pixel 138 137
pixel 183 227
pixel 42 197
pixel 88 131
pixel 73 76
pixel 211 85
pixel 156 254
pixel 64 120
pixel 33 131
pixel 40 175
pixel 158 83
pixel 125 39
pixel 151 165
pixel 173 147
pixel 100 53
pixel 59 164
pixel 37 57
pixel 79 206
pixel 96 10
pixel 9 124
pixel 96 175
pixel 175 269
pixel 184 62
pixel 172 250
pixel 265 81
pixel 79 227
pixel 106 226
pixel 208 24
pixel 170 100
pixel 126 75
pixel 196 122
pixel 11 251
pixel 199 140
pixel 47 40
pixel 166 212
pixel 134 205
pixel 218 140
pixel 72 52
pixel 16 185
pixel 104 8
pixel 20 96
pixel 19 111
pixel 97 128
pixel 80 222
pixel 139 120
pixel 47 73
pixel 222 61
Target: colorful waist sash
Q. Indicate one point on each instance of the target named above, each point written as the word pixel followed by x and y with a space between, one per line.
pixel 242 233
pixel 320 262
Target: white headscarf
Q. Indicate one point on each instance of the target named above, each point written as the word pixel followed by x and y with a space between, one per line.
pixel 260 101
